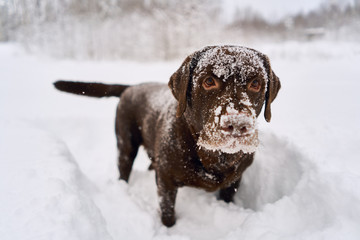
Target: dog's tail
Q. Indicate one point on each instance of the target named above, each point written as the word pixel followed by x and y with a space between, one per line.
pixel 91 89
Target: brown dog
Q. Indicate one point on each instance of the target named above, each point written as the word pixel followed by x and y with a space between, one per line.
pixel 203 132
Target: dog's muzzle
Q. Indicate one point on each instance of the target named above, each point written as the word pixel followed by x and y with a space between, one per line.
pixel 230 133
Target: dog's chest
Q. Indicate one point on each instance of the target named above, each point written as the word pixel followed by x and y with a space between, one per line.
pixel 214 172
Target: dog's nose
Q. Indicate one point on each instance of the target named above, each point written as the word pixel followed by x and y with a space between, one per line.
pixel 235 124
pixel 241 128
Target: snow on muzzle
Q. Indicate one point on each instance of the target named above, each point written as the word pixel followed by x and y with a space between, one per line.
pixel 230 133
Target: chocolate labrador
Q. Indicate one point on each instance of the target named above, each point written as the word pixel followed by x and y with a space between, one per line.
pixel 198 131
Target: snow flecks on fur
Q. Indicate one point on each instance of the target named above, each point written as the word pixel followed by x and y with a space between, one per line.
pixel 230 109
pixel 245 100
pixel 217 114
pixel 227 61
pixel 210 176
pixel 218 111
pixel 163 102
pixel 161 99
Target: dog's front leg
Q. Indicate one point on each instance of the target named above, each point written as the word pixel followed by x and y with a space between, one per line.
pixel 167 196
pixel 227 194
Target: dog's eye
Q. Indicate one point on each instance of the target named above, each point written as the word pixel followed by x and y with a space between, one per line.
pixel 209 83
pixel 254 86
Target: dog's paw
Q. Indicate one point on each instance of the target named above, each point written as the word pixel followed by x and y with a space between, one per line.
pixel 168 220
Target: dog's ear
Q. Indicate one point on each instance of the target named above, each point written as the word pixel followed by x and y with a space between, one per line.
pixel 179 84
pixel 273 87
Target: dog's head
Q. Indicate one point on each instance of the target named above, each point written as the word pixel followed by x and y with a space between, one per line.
pixel 220 91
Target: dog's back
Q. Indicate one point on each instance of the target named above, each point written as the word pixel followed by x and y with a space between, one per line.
pixel 142 112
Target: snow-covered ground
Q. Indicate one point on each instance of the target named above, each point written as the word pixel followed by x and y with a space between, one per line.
pixel 58 175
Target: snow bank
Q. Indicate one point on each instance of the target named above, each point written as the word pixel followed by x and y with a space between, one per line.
pixel 44 194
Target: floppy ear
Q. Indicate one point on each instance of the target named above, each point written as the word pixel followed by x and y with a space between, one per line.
pixel 273 87
pixel 179 83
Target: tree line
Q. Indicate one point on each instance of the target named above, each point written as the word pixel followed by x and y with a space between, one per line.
pixel 156 29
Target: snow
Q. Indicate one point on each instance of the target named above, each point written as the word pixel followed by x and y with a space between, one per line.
pixel 44 193
pixel 226 61
pixel 58 175
pixel 246 101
